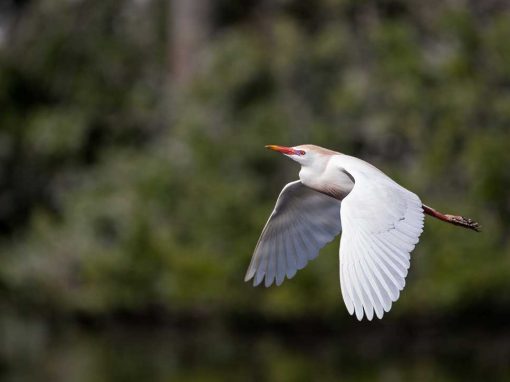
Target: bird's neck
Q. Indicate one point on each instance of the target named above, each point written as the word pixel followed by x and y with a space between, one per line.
pixel 327 179
pixel 312 173
pixel 309 176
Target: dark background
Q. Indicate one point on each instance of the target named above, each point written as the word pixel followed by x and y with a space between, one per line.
pixel 134 185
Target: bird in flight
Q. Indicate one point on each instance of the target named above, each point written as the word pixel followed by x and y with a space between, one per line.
pixel 380 221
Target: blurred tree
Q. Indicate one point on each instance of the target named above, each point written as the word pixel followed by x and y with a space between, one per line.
pixel 189 31
pixel 115 196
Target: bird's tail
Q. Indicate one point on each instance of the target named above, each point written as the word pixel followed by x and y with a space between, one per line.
pixel 453 219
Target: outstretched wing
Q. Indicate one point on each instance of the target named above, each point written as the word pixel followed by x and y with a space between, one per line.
pixel 382 223
pixel 303 221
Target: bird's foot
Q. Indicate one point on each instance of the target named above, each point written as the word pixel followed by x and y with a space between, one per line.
pixel 464 222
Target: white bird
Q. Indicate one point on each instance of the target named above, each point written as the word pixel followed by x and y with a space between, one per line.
pixel 381 223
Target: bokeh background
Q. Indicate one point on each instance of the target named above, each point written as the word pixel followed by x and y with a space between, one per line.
pixel 134 185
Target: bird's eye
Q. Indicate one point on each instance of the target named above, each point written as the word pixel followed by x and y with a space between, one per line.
pixel 300 152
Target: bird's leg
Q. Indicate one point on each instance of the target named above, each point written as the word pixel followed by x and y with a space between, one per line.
pixel 453 219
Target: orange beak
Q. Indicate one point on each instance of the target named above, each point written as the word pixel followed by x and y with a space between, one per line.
pixel 285 150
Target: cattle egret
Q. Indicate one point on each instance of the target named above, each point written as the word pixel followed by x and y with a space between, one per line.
pixel 381 223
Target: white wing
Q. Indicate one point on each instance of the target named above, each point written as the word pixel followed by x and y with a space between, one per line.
pixel 303 221
pixel 382 223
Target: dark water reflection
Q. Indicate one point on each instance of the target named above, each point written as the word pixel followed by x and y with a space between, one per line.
pixel 247 350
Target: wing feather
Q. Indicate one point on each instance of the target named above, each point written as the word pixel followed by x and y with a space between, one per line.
pixel 301 258
pixel 290 259
pixel 303 221
pixel 281 261
pixel 345 288
pixel 379 302
pixel 355 292
pixel 382 223
pixel 368 304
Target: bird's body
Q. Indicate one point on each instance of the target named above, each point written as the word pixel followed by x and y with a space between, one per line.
pixel 381 223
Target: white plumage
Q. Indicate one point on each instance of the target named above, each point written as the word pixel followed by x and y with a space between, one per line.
pixel 302 222
pixel 382 222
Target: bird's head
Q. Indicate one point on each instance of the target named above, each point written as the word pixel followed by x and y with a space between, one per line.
pixel 305 155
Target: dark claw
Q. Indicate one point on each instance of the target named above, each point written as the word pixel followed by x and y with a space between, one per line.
pixel 465 222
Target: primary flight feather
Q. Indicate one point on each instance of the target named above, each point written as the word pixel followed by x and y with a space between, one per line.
pixel 381 222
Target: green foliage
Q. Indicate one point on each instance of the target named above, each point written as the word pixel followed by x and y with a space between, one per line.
pixel 124 191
